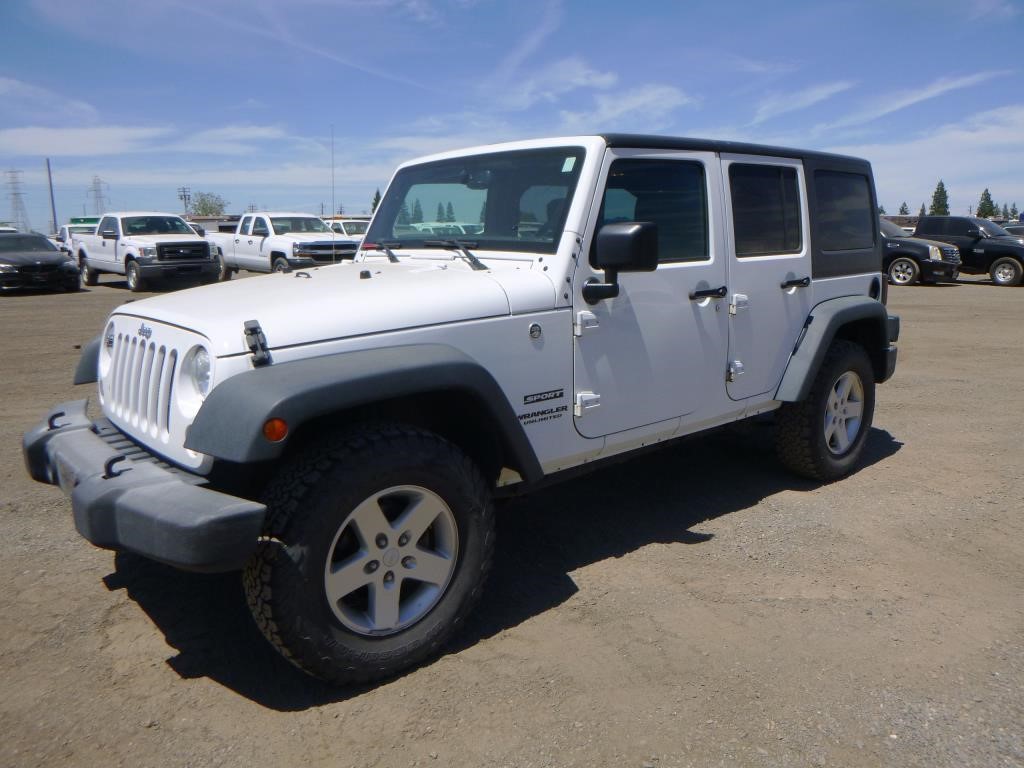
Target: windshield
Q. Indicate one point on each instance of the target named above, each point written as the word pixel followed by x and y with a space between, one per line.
pixel 155 225
pixel 23 243
pixel 356 227
pixel 503 201
pixel 285 224
pixel 992 229
pixel 891 230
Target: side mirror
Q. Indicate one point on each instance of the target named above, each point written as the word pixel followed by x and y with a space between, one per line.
pixel 974 232
pixel 200 231
pixel 59 238
pixel 629 246
pixel 109 234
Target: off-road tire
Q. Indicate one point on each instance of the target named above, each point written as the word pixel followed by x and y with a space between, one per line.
pixel 133 276
pixel 89 275
pixel 903 271
pixel 801 442
pixel 309 501
pixel 1006 271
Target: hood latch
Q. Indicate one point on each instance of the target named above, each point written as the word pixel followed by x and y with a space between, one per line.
pixel 257 344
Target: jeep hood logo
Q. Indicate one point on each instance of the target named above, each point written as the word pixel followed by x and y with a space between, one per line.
pixel 145 331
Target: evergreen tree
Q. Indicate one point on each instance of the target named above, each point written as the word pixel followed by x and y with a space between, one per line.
pixel 1006 211
pixel 1014 213
pixel 986 207
pixel 904 210
pixel 375 202
pixel 449 213
pixel 403 214
pixel 440 212
pixel 881 210
pixel 922 212
pixel 417 212
pixel 940 201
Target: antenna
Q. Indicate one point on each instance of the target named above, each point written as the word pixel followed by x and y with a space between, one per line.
pixel 53 204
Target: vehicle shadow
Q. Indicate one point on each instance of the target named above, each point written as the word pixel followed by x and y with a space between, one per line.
pixel 655 498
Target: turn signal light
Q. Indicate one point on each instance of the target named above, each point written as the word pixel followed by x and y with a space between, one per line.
pixel 275 430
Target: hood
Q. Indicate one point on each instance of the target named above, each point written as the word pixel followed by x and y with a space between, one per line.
pixel 314 237
pixel 23 258
pixel 181 237
pixel 337 301
pixel 1011 240
pixel 915 240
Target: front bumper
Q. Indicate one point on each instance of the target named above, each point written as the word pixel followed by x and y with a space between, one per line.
pixel 171 270
pixel 58 278
pixel 125 499
pixel 932 270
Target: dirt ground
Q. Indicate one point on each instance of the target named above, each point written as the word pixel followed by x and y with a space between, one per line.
pixel 694 607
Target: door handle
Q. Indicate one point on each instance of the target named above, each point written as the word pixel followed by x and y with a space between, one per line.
pixel 799 282
pixel 250 242
pixel 709 293
pixel 237 241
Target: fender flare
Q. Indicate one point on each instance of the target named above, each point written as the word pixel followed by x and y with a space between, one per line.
pixel 87 369
pixel 823 323
pixel 229 424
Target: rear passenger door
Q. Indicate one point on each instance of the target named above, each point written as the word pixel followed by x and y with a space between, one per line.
pixel 769 264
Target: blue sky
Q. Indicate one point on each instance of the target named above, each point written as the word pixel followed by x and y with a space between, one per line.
pixel 239 98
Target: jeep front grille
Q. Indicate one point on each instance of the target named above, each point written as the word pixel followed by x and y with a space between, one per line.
pixel 140 383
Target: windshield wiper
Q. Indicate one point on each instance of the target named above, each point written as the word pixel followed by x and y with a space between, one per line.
pixel 386 247
pixel 461 247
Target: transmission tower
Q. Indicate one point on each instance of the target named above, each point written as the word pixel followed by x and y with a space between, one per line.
pixel 99 198
pixel 19 216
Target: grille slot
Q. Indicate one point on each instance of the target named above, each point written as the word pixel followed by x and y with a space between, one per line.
pixel 172 251
pixel 141 384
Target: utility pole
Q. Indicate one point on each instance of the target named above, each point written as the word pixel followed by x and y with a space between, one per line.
pixel 185 195
pixel 53 205
pixel 19 215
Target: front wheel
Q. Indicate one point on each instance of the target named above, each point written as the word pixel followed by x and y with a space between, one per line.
pixel 903 271
pixel 280 265
pixel 375 550
pixel 89 275
pixel 133 274
pixel 1006 270
pixel 823 436
pixel 223 271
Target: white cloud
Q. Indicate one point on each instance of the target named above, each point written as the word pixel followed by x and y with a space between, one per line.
pixel 78 142
pixel 644 108
pixel 988 9
pixel 36 105
pixel 777 104
pixel 969 156
pixel 886 104
pixel 553 82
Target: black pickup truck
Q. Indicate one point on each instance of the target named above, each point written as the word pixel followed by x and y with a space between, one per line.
pixel 985 247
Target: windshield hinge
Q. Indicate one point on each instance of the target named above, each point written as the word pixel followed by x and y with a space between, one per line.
pixel 257 344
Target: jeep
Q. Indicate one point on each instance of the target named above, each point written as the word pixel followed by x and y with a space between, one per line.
pixel 341 433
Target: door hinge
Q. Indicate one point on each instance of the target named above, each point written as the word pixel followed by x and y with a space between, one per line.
pixel 257 343
pixel 585 321
pixel 735 370
pixel 586 401
pixel 740 302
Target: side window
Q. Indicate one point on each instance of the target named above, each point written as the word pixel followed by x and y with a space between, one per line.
pixel 670 193
pixel 108 224
pixel 959 226
pixel 243 228
pixel 260 228
pixel 845 214
pixel 765 209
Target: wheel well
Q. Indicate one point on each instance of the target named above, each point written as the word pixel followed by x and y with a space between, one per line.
pixel 872 338
pixel 275 254
pixel 457 417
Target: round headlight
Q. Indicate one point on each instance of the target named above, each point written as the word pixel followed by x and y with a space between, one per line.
pixel 195 379
pixel 199 371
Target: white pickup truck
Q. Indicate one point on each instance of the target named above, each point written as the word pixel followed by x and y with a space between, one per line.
pixel 270 241
pixel 144 246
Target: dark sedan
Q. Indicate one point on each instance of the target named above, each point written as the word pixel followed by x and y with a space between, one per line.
pixel 32 261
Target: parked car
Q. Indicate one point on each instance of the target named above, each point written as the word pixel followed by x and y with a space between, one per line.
pixel 985 247
pixel 907 260
pixel 353 229
pixel 32 261
pixel 1015 228
pixel 66 236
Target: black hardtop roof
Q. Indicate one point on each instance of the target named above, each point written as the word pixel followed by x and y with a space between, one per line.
pixel 643 141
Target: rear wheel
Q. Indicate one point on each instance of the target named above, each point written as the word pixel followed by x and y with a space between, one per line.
pixel 823 436
pixel 133 274
pixel 89 275
pixel 1006 270
pixel 376 547
pixel 903 271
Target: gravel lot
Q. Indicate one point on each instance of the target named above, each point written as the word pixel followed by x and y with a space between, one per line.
pixel 694 607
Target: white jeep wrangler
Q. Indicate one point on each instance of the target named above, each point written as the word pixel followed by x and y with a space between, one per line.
pixel 342 432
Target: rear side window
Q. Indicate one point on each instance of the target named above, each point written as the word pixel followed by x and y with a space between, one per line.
pixel 670 193
pixel 845 214
pixel 929 226
pixel 765 209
